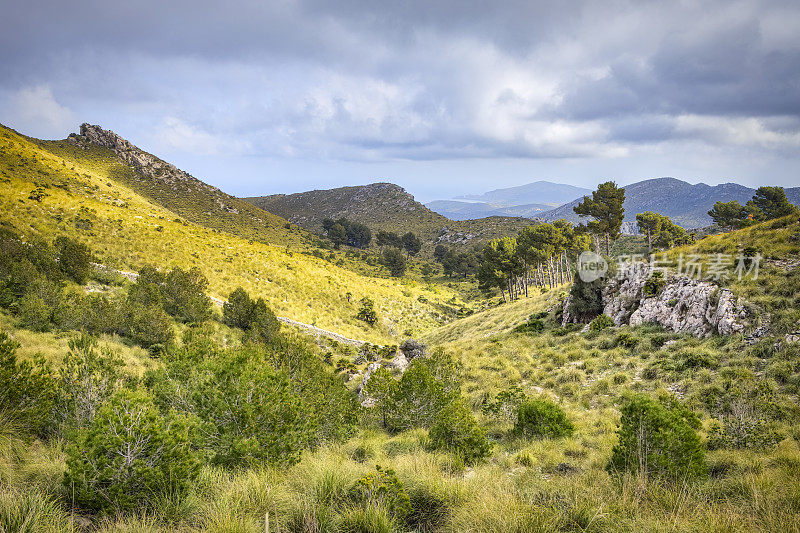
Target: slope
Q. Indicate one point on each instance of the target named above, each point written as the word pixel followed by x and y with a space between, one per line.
pixel 388 207
pixel 172 188
pixel 79 194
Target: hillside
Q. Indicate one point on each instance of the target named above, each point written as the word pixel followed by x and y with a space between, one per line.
pixel 385 206
pixel 457 210
pixel 686 204
pixel 81 194
pixel 538 192
pixel 172 188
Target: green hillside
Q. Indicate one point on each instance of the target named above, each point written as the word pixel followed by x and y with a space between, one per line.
pixel 170 187
pixel 388 207
pixel 82 195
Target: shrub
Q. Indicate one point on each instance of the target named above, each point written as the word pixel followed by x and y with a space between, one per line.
pixel 264 325
pixel 533 325
pixel 658 440
pixel 601 322
pixel 148 326
pixel 367 311
pixel 237 312
pixel 654 284
pixel 394 260
pixel 542 418
pixel 34 313
pixel 129 455
pixel 253 316
pixel 74 259
pixel 382 489
pixel 505 404
pixel 87 378
pixel 27 390
pixel 457 432
pixel 626 340
pixel 586 299
pixel 184 293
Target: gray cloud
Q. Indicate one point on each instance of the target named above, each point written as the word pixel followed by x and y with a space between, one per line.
pixel 416 80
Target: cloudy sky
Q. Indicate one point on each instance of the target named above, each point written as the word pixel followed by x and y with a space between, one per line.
pixel 441 97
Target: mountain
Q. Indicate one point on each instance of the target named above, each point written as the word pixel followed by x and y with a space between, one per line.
pixel 686 204
pixel 538 192
pixel 456 210
pixel 388 207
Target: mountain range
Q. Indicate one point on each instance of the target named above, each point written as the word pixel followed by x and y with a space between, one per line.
pixel 685 203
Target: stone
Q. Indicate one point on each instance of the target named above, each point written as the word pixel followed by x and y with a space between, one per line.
pixel 684 305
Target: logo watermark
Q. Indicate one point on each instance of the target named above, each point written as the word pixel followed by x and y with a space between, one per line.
pixel 719 267
pixel 591 266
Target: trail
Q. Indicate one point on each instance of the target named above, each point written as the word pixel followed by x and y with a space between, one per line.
pixel 133 276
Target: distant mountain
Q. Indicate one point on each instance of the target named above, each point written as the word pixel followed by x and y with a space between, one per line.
pixel 457 210
pixel 538 192
pixel 686 204
pixel 388 207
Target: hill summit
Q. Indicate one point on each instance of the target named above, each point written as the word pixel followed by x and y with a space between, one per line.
pixel 387 207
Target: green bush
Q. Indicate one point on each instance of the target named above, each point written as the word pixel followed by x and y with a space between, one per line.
pixel 253 316
pixel 382 489
pixel 456 431
pixel 27 390
pixel 237 312
pixel 88 377
pixel 626 340
pixel 658 440
pixel 74 259
pixel 149 326
pixel 542 418
pixel 601 322
pixel 505 404
pixel 586 299
pixel 654 284
pixel 367 311
pixel 130 455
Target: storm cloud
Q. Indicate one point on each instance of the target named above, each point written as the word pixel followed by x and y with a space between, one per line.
pixel 366 88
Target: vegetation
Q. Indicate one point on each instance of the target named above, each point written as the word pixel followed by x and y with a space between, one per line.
pixel 658 440
pixel 542 418
pixel 605 207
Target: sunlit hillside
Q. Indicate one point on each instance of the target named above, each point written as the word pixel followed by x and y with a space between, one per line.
pixel 79 193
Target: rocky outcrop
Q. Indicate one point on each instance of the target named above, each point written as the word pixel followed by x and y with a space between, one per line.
pixel 147 164
pixel 682 305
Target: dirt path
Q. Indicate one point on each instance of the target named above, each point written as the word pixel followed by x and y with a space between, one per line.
pixel 314 330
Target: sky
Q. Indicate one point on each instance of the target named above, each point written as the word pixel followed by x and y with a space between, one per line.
pixel 441 97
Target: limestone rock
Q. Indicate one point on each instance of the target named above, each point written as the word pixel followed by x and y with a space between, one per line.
pixel 683 305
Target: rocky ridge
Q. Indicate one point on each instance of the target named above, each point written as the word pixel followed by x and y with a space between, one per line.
pixel 147 164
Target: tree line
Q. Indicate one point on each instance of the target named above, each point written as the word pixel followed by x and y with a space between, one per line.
pixel 767 203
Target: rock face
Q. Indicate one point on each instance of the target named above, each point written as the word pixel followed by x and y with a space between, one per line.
pixel 683 305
